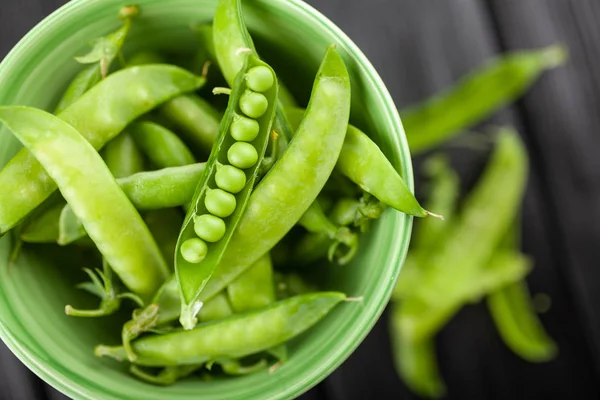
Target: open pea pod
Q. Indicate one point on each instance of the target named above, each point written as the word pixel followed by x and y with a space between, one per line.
pixel 227 182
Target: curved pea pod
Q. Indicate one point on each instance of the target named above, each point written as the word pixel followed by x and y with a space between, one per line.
pixel 237 154
pixel 43 228
pixel 476 96
pixel 163 188
pixel 91 190
pixel 145 57
pixel 99 115
pixel 122 156
pixel 292 185
pixel 519 326
pixel 487 213
pixel 219 307
pixel 105 50
pixel 364 163
pixel 195 118
pixel 163 148
pixel 231 40
pixel 234 337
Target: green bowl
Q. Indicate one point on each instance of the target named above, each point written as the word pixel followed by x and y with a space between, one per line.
pixel 292 36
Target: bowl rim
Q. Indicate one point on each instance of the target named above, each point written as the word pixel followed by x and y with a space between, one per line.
pixel 404 222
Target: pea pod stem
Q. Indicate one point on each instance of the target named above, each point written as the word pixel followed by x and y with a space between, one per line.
pixel 99 115
pixel 476 96
pixel 91 191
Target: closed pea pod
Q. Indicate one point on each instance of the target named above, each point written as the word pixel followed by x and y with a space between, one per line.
pixel 163 148
pixel 476 96
pixel 89 187
pixel 197 260
pixel 99 115
pixel 122 156
pixel 195 118
pixel 364 163
pixel 254 289
pixel 246 334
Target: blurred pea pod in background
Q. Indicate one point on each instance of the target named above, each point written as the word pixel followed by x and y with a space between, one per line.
pixel 474 254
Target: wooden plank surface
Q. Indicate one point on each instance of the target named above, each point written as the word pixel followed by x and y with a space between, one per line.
pixel 420 47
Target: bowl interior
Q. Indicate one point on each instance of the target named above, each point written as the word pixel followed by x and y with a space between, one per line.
pixel 33 292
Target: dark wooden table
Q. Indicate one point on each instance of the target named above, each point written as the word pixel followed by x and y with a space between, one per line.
pixel 420 47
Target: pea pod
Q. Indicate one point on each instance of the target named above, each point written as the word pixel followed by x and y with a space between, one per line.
pixel 195 118
pixel 122 156
pixel 237 336
pixel 364 163
pixel 163 148
pixel 285 193
pixel 164 224
pixel 226 184
pixel 476 96
pixel 99 115
pixel 89 187
pixel 101 57
pixel 254 289
pixel 217 308
pixel 518 325
pixel 487 213
pixel 144 58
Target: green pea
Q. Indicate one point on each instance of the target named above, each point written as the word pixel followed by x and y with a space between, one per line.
pixel 260 79
pixel 242 155
pixel 230 178
pixel 209 227
pixel 253 104
pixel 244 129
pixel 194 250
pixel 220 203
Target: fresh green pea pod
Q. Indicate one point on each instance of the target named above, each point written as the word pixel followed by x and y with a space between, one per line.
pixel 122 156
pixel 294 182
pixel 291 284
pixel 163 148
pixel 222 193
pixel 254 289
pixel 364 163
pixel 101 57
pixel 415 361
pixel 195 118
pixel 91 190
pixel 487 213
pixel 314 220
pixel 217 308
pixel 476 96
pixel 248 333
pixel 163 188
pixel 99 115
pixel 231 38
pixel 518 324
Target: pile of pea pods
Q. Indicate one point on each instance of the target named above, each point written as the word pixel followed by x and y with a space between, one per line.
pixel 207 201
pixel 203 199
